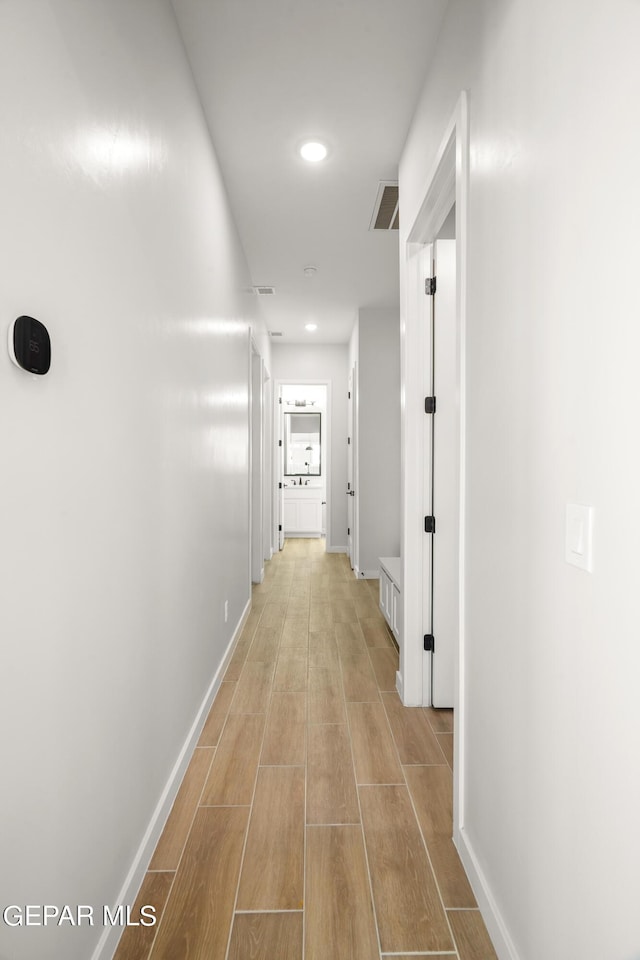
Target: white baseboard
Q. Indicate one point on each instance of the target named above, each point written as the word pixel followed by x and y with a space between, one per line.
pixel 305 536
pixel 492 917
pixel 368 574
pixel 399 684
pixel 331 549
pixel 108 942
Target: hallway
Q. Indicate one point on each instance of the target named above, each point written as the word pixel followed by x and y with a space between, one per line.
pixel 340 846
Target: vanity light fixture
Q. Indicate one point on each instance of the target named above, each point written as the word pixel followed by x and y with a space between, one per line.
pixel 311 327
pixel 313 151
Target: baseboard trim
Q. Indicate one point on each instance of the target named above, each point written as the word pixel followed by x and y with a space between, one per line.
pixel 399 684
pixel 335 549
pixel 368 574
pixel 491 915
pixel 108 942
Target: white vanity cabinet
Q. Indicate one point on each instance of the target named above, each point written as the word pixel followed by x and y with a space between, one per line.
pixel 302 511
pixel 390 590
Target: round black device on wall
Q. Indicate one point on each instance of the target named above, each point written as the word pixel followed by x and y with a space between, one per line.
pixel 30 345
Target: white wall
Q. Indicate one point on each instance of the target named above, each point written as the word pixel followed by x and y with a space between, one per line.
pixel 377 342
pixel 552 776
pixel 124 470
pixel 297 363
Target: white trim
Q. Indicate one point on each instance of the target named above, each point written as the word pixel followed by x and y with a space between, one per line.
pixel 399 683
pixel 491 915
pixel 448 181
pixel 368 574
pixel 328 434
pixel 329 549
pixel 108 942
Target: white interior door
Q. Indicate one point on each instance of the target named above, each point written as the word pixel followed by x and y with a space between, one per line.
pixel 445 506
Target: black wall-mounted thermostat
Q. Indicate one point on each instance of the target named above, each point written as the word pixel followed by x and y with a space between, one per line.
pixel 30 345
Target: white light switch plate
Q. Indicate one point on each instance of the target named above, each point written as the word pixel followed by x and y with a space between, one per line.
pixel 579 536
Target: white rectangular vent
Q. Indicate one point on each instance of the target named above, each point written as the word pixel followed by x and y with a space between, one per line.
pixel 275 333
pixel 385 211
pixel 264 291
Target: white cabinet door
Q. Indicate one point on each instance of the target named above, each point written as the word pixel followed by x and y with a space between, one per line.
pixel 290 516
pixel 310 516
pixel 395 611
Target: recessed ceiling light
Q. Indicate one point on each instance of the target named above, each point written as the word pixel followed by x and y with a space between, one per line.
pixel 311 326
pixel 310 271
pixel 313 151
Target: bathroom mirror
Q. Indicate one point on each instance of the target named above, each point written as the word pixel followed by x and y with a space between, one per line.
pixel 302 445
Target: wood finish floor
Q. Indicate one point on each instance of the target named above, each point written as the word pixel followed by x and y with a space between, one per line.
pixel 315 818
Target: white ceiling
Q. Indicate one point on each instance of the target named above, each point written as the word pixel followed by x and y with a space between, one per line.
pixel 272 73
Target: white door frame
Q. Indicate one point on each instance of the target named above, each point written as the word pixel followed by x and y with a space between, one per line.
pixel 256 463
pixel 447 183
pixel 326 433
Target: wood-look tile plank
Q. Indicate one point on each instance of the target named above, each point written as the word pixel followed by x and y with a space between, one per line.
pixel 280 590
pixel 198 915
pixel 323 650
pixel 441 721
pixel 266 936
pixel 358 678
pixel 414 738
pixel 343 611
pixel 298 607
pixel 273 613
pixel 237 660
pixel 136 942
pixel 342 591
pixel 408 908
pixel 339 920
pixel 254 687
pixel 291 670
pixel 446 745
pixel 326 697
pixel 251 623
pixel 320 616
pixel 432 791
pixel 284 739
pixel 217 715
pixel 349 639
pixel 295 633
pixel 233 771
pixel 265 644
pixel 375 633
pixel 272 872
pixel 331 785
pixel 174 836
pixel 470 934
pixel 300 588
pixel 366 609
pixel 374 754
pixel 385 663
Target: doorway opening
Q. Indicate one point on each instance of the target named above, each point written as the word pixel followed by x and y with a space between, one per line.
pixel 303 483
pixel 433 569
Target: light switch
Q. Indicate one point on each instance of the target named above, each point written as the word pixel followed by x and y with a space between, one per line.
pixel 579 536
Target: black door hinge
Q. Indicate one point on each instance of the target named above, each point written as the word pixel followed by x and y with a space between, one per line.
pixel 349 395
pixel 429 404
pixel 429 642
pixel 279 399
pixel 279 443
pixel 279 528
pixel 430 286
pixel 279 486
pixel 348 531
pixel 348 439
pixel 429 524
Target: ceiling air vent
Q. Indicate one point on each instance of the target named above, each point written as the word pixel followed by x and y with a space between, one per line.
pixel 385 211
pixel 275 333
pixel 263 291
